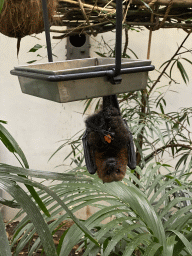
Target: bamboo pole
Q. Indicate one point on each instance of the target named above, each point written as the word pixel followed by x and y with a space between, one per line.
pixel 88 5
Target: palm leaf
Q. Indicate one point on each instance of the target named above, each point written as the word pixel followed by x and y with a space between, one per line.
pixel 12 145
pixel 141 206
pixel 123 232
pixel 14 148
pixel 184 240
pixel 152 249
pixel 4 244
pixel 138 241
pixel 33 213
pixel 56 198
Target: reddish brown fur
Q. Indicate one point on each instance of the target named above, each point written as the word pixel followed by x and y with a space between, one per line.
pixel 102 151
pixel 121 163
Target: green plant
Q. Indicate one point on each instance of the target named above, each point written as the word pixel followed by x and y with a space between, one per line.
pixel 150 212
pixel 20 197
pixel 13 147
pixel 10 179
pixel 150 218
pixel 153 218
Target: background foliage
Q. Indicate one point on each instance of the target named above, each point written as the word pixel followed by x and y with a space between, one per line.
pixel 149 212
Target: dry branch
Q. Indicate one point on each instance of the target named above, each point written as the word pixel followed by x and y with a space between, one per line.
pixel 183 3
pixel 97 8
pixel 93 17
pixel 163 148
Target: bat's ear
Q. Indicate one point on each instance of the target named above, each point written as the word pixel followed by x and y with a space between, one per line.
pixel 90 162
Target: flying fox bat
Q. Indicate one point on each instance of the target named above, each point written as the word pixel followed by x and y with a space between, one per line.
pixel 108 143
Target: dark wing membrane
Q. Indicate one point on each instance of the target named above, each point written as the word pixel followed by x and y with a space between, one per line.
pixel 90 163
pixel 131 150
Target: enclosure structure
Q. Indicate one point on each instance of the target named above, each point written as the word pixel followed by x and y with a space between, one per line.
pixel 57 81
pixel 94 17
pixel 23 17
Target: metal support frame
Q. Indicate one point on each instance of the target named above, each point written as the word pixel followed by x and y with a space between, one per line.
pixel 114 75
pixel 47 30
pixel 117 78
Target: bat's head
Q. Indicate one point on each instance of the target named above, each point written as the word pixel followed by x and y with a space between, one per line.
pixel 111 168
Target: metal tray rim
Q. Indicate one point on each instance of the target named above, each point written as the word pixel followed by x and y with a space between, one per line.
pixel 76 76
pixel 125 63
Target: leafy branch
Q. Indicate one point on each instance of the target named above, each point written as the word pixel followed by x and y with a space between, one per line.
pixel 161 149
pixel 168 63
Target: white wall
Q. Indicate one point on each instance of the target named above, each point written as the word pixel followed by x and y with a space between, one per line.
pixel 38 124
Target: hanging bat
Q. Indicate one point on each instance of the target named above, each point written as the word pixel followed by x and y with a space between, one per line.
pixel 108 143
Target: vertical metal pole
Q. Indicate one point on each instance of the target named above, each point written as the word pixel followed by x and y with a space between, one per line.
pixel 47 30
pixel 118 37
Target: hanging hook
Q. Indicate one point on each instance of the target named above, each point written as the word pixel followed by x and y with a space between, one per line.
pixel 116 78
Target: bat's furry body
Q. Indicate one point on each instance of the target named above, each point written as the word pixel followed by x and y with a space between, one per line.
pixel 108 142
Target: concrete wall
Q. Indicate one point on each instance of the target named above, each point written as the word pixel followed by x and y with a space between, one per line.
pixel 38 124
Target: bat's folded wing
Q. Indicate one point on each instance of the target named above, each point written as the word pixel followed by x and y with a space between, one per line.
pixel 131 150
pixel 90 163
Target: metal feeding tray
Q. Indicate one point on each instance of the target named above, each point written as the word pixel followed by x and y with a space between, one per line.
pixel 81 79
